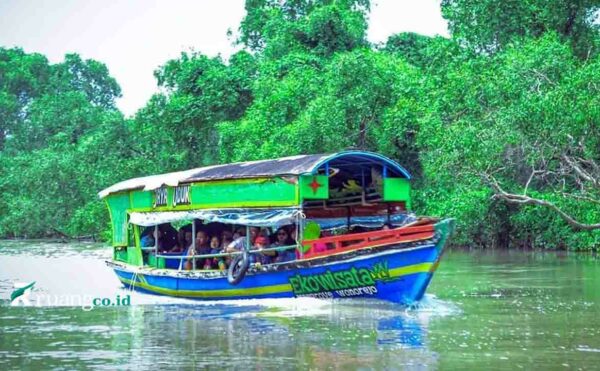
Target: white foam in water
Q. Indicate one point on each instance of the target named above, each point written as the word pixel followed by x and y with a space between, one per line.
pixel 430 305
pixel 585 348
pixel 304 305
pixel 285 307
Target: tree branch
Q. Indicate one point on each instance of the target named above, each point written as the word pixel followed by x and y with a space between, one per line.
pixel 526 200
pixel 575 165
pixel 533 173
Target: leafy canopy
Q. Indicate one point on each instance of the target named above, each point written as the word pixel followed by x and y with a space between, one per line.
pixel 510 102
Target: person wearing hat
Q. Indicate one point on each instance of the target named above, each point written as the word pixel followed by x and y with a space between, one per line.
pixel 261 243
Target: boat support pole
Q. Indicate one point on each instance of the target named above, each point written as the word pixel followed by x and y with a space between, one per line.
pixel 299 234
pixel 247 247
pixel 193 243
pixel 155 241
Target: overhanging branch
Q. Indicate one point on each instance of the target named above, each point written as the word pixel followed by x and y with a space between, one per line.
pixel 523 199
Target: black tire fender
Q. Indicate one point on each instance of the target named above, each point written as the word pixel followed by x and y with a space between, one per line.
pixel 238 268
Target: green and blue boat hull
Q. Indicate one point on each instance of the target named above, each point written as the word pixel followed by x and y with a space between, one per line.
pixel 399 273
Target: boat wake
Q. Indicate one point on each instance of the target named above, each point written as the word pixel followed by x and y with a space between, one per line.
pixel 431 305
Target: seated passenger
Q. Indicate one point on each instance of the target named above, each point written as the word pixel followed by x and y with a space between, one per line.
pixel 239 239
pixel 202 248
pixel 237 244
pixel 184 240
pixel 238 233
pixel 321 246
pixel 167 237
pixel 266 257
pixel 216 262
pixel 284 239
pixel 187 250
pixel 254 232
pixel 292 230
pixel 215 245
pixel 226 235
pixel 148 237
pixel 226 241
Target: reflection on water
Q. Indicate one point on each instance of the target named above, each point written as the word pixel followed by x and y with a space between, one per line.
pixel 189 335
pixel 501 310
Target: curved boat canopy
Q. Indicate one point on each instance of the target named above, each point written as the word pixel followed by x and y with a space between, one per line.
pixel 353 162
pixel 326 186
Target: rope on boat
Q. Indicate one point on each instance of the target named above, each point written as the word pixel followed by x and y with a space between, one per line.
pixel 134 278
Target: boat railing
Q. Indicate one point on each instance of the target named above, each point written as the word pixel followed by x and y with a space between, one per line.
pixel 326 246
pixel 332 245
pixel 339 244
pixel 227 254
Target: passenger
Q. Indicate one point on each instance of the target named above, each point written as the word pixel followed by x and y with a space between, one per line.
pixel 292 231
pixel 321 246
pixel 202 248
pixel 266 257
pixel 239 242
pixel 254 233
pixel 240 232
pixel 386 227
pixel 284 239
pixel 167 238
pixel 148 237
pixel 216 262
pixel 188 244
pixel 180 240
pixel 184 240
pixel 215 244
pixel 226 235
pixel 226 241
pixel 188 240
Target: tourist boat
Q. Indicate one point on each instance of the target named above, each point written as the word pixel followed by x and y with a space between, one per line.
pixel 356 236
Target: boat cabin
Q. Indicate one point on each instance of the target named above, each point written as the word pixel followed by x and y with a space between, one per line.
pixel 325 202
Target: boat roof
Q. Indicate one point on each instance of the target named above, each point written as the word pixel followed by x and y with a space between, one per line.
pixel 292 165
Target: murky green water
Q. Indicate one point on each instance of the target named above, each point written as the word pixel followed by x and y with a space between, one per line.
pixel 484 310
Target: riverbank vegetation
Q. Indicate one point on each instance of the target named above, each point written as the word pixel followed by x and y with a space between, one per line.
pixel 499 124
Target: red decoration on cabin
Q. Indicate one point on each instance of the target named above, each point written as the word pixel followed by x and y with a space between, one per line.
pixel 314 185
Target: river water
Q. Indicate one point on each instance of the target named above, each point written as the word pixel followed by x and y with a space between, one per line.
pixel 484 310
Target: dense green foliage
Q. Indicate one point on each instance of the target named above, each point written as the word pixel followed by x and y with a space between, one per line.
pixel 510 101
pixel 489 25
